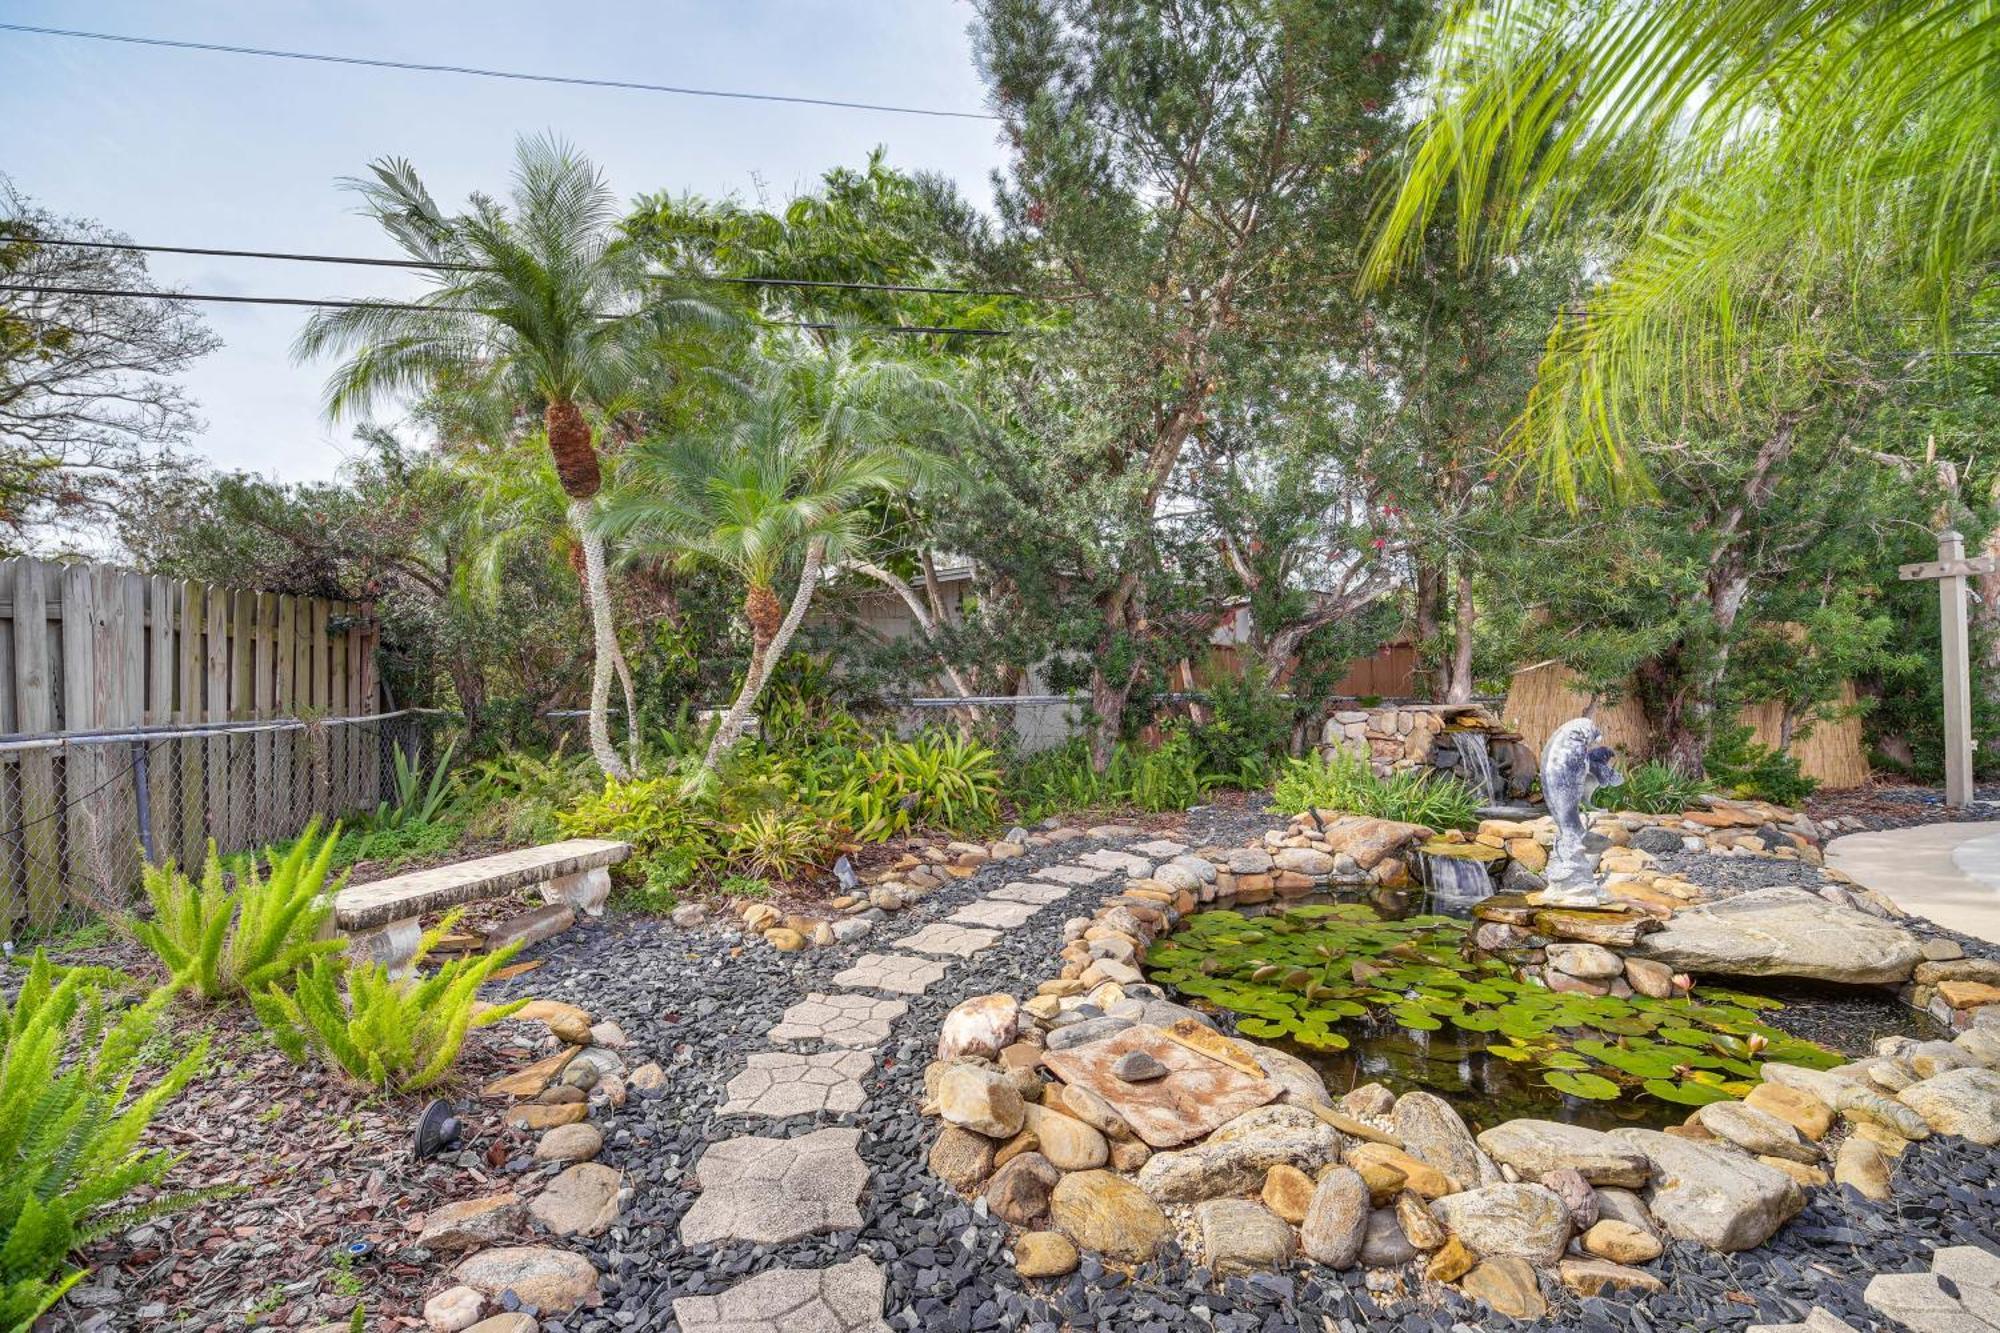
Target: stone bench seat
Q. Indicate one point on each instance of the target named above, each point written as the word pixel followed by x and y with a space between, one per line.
pixel 381 918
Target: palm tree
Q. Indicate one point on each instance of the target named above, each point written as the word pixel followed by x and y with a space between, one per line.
pixel 813 440
pixel 1774 186
pixel 532 302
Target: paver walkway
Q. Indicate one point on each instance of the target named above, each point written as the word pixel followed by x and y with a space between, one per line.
pixel 766 1191
pixel 1949 873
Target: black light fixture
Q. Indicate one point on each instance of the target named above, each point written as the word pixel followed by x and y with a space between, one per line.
pixel 436 1128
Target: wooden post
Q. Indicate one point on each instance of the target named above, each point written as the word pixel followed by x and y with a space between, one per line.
pixel 1950 572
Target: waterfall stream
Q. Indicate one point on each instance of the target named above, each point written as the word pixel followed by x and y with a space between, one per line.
pixel 1475 764
pixel 1455 882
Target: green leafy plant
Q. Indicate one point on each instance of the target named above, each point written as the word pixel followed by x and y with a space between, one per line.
pixel 70 1128
pixel 942 780
pixel 744 886
pixel 1346 783
pixel 782 844
pixel 1249 728
pixel 397 1035
pixel 1166 777
pixel 1314 974
pixel 223 939
pixel 1743 767
pixel 420 798
pixel 1653 788
pixel 662 820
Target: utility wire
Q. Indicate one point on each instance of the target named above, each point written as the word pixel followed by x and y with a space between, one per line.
pixel 424 67
pixel 374 262
pixel 341 304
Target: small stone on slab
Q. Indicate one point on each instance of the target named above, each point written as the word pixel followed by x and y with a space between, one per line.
pixel 1138 1067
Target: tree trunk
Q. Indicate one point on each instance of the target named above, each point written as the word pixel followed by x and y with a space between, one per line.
pixel 1107 706
pixel 767 645
pixel 1429 596
pixel 604 643
pixel 1672 714
pixel 624 670
pixel 574 453
pixel 1458 684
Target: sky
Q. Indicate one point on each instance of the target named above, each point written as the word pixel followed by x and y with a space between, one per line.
pixel 193 148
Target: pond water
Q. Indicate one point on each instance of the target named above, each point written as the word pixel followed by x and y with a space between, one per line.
pixel 1382 988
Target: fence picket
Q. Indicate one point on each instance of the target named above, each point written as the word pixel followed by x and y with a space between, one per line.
pixel 35 710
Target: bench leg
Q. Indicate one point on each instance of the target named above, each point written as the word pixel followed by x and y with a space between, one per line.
pixel 586 890
pixel 392 945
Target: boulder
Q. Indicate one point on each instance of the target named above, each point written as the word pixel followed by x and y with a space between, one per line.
pixel 1509 1285
pixel 1067 1142
pixel 472 1223
pixel 1861 1164
pixel 982 1100
pixel 1288 1192
pixel 1965 1102
pixel 1713 1196
pixel 1621 1242
pixel 1383 1244
pixel 1530 1221
pixel 570 1143
pixel 1105 1212
pixel 1865 1104
pixel 1370 1099
pixel 453 1309
pixel 1413 1215
pixel 1798 1108
pixel 1532 1147
pixel 962 1159
pixel 1301 1082
pixel 1576 1194
pixel 553 1281
pixel 1238 1166
pixel 1784 933
pixel 1432 1132
pixel 1019 1191
pixel 1337 1220
pixel 1044 1254
pixel 1593 962
pixel 1594 1277
pixel 1239 1236
pixel 979 1026
pixel 1624 1206
pixel 582 1201
pixel 1383 1160
pixel 1756 1132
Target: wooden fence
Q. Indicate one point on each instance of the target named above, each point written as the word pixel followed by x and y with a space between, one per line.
pixel 93 659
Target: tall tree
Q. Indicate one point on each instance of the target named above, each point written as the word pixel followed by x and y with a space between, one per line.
pixel 1737 160
pixel 1193 173
pixel 88 405
pixel 536 301
pixel 786 478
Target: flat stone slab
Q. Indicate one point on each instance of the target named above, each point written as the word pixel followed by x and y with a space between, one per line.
pixel 1784 933
pixel 1003 915
pixel 1160 849
pixel 855 1021
pixel 769 1191
pixel 1198 1094
pixel 782 1083
pixel 846 1298
pixel 948 940
pixel 1026 891
pixel 400 897
pixel 895 972
pixel 1068 874
pixel 1917 1300
pixel 1123 863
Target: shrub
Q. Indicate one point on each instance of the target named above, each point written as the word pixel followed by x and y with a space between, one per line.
pixel 1167 777
pixel 1251 727
pixel 662 821
pixel 942 780
pixel 1057 780
pixel 69 1134
pixel 1652 788
pixel 225 940
pixel 1347 783
pixel 1743 767
pixel 398 1035
pixel 782 843
pixel 419 800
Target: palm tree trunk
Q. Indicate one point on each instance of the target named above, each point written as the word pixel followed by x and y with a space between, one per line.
pixel 624 669
pixel 604 643
pixel 762 655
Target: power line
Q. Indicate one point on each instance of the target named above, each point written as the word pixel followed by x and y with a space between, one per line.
pixel 333 303
pixel 375 262
pixel 424 67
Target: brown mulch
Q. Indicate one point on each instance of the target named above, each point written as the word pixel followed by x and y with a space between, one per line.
pixel 316 1164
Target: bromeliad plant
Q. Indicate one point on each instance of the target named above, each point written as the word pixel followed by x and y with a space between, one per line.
pixel 70 1129
pixel 221 939
pixel 395 1035
pixel 1304 974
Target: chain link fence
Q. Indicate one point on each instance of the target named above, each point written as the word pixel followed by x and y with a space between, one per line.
pixel 80 814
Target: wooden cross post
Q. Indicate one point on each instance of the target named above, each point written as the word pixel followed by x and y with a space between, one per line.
pixel 1950 571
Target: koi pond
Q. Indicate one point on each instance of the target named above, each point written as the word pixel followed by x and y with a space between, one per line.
pixel 1366 992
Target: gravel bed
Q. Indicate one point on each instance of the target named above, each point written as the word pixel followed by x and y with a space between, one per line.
pixel 1901 806
pixel 700 1001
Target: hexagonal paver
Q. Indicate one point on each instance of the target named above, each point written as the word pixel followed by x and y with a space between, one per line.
pixel 1026 891
pixel 1003 915
pixel 895 972
pixel 768 1191
pixel 846 1298
pixel 948 940
pixel 1123 863
pixel 782 1083
pixel 839 1020
pixel 1160 849
pixel 1067 874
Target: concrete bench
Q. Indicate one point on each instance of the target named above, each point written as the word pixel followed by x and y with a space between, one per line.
pixel 381 919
